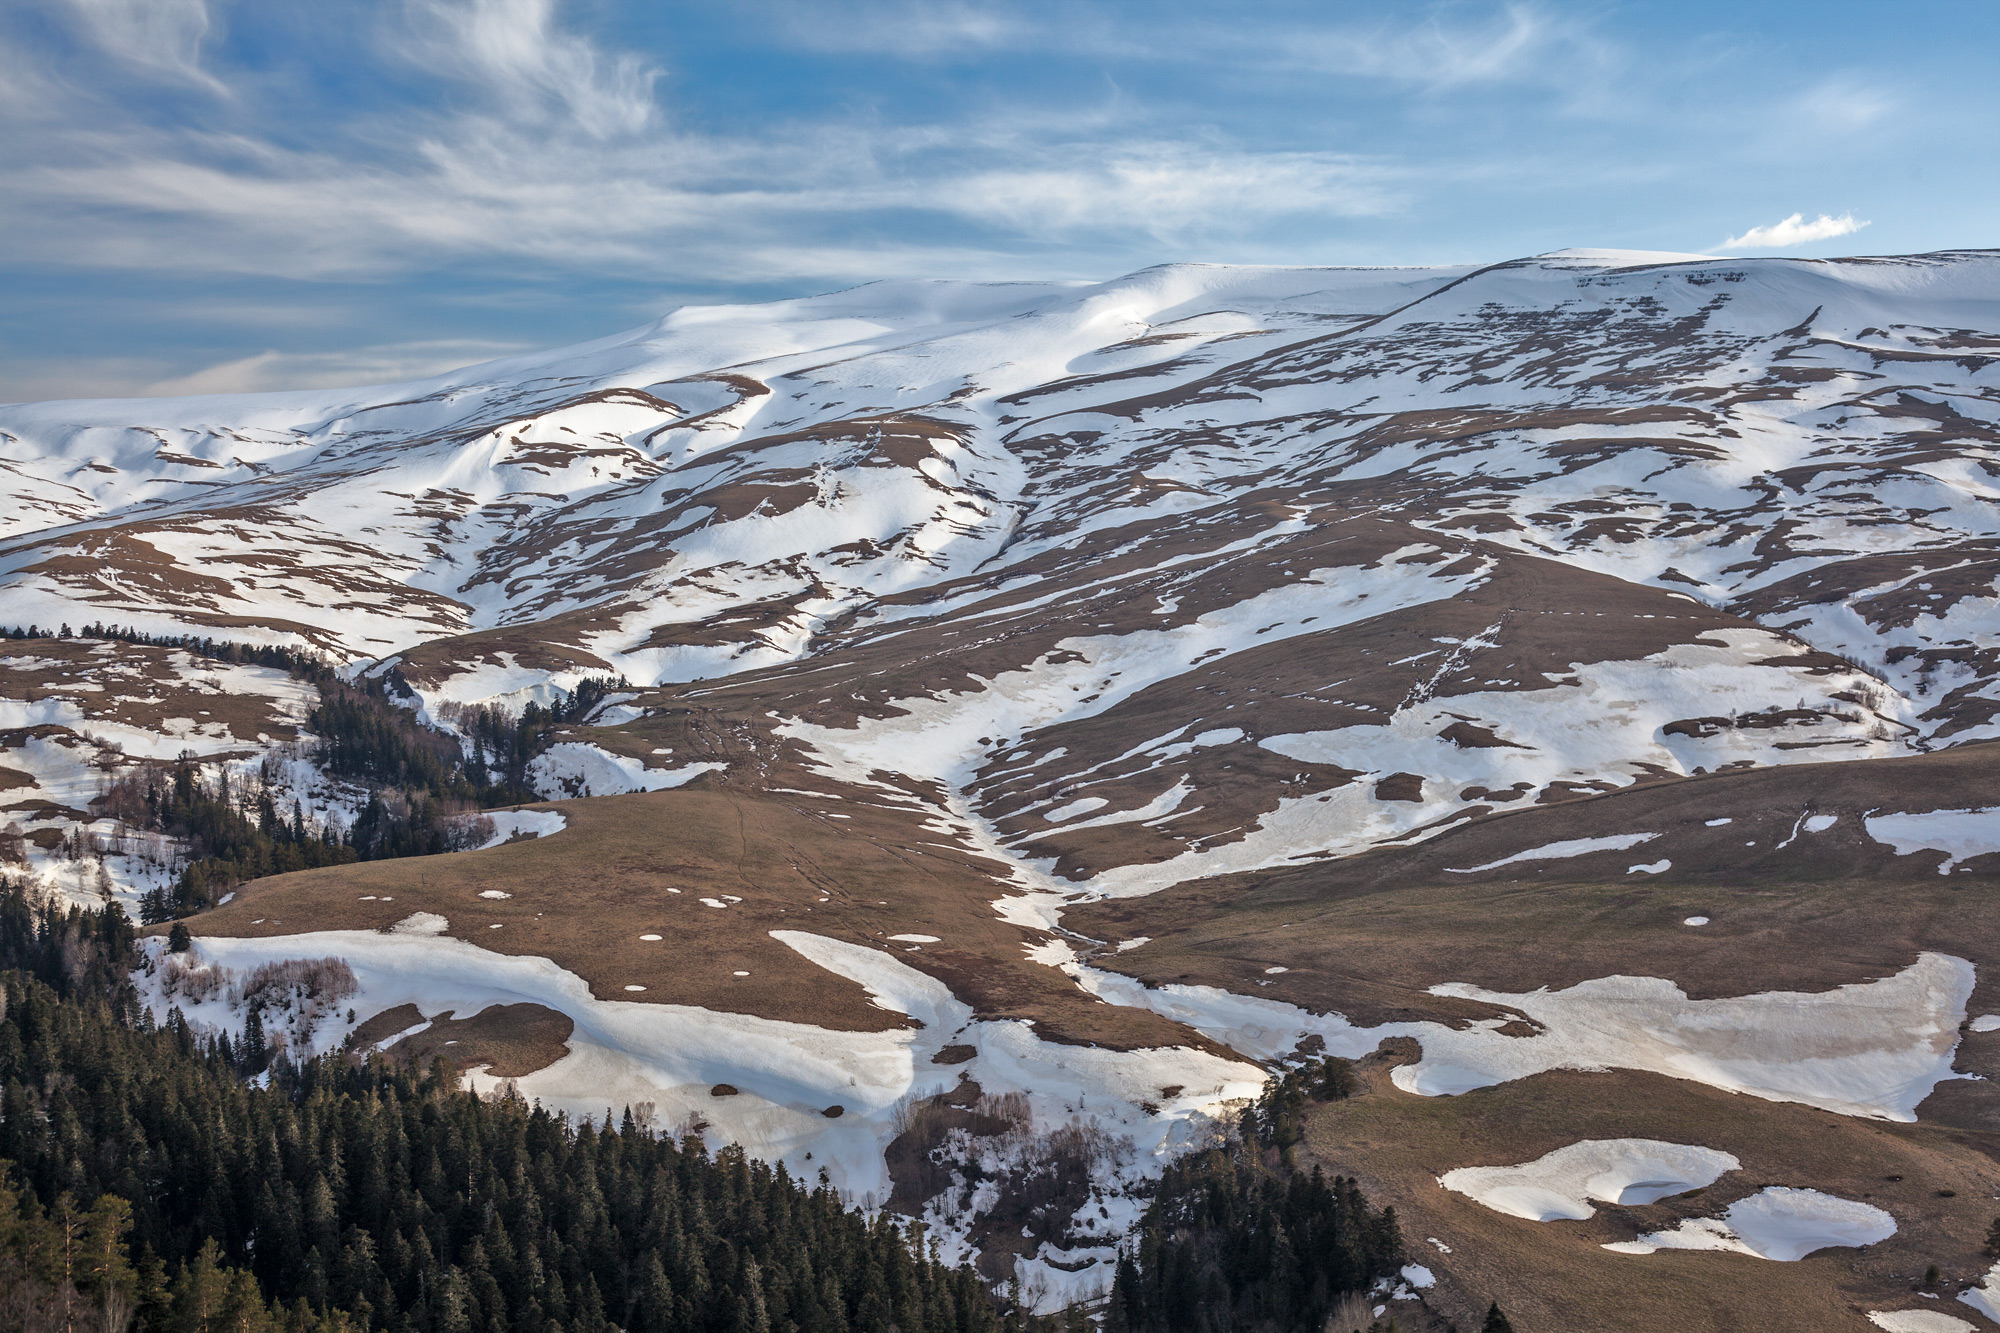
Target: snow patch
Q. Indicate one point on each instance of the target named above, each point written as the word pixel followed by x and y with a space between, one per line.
pixel 1984 1296
pixel 575 768
pixel 1775 1223
pixel 1959 834
pixel 1873 1048
pixel 1558 1185
pixel 1557 851
pixel 1918 1321
pixel 511 824
pixel 1081 806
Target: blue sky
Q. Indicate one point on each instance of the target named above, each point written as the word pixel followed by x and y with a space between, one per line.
pixel 209 195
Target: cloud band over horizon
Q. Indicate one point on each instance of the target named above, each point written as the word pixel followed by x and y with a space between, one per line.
pixel 201 192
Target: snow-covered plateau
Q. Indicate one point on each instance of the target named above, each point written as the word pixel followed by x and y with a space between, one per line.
pixel 1040 706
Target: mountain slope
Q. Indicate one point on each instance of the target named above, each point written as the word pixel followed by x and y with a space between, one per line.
pixel 972 630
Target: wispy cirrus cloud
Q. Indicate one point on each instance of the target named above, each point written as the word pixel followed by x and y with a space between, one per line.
pixel 1794 230
pixel 542 143
pixel 387 363
pixel 442 168
pixel 1440 46
pixel 518 56
pixel 164 36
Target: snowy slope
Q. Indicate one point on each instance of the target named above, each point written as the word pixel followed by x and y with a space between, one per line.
pixel 1101 592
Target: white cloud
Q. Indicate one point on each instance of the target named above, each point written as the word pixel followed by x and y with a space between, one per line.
pixel 907 28
pixel 1169 189
pixel 1794 230
pixel 389 363
pixel 1447 47
pixel 548 145
pixel 514 51
pixel 163 35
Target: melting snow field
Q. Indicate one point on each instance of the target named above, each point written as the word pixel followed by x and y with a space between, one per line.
pixel 511 824
pixel 574 768
pixel 1872 1048
pixel 1985 1297
pixel 1558 1185
pixel 1918 1321
pixel 1959 834
pixel 624 1053
pixel 1557 851
pixel 1777 1223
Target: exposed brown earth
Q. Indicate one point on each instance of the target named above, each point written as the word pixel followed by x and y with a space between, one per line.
pixel 507 1040
pixel 642 864
pixel 1939 1183
pixel 1366 936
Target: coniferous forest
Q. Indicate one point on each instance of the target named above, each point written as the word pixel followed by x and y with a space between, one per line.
pixel 417 778
pixel 147 1184
pixel 151 1178
pixel 1236 1238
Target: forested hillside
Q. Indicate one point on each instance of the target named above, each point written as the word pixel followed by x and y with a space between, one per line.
pixel 147 1181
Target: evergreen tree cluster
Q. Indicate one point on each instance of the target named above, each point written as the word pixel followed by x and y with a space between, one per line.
pixel 1236 1239
pixel 148 1182
pixel 230 837
pixel 1279 1116
pixel 299 662
pixel 1229 1244
pixel 417 778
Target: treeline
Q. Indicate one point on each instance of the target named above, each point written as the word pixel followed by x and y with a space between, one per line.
pixel 1236 1239
pixel 419 779
pixel 228 840
pixel 299 662
pixel 367 737
pixel 149 1185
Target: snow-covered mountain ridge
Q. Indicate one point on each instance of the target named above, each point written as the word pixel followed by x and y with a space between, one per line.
pixel 1740 428
pixel 997 647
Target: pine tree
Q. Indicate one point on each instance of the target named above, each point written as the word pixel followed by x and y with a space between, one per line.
pixel 255 1056
pixel 1496 1322
pixel 179 940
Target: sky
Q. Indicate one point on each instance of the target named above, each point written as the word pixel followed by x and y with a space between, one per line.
pixel 234 195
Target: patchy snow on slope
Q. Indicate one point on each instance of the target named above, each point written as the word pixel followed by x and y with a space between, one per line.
pixel 1918 1321
pixel 576 768
pixel 511 824
pixel 1559 1184
pixel 1775 1223
pixel 1984 1295
pixel 1872 1049
pixel 626 1052
pixel 1557 851
pixel 1959 834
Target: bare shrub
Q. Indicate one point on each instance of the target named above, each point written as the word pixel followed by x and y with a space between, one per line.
pixel 193 983
pixel 462 833
pixel 296 983
pixel 1011 1107
pixel 1350 1314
